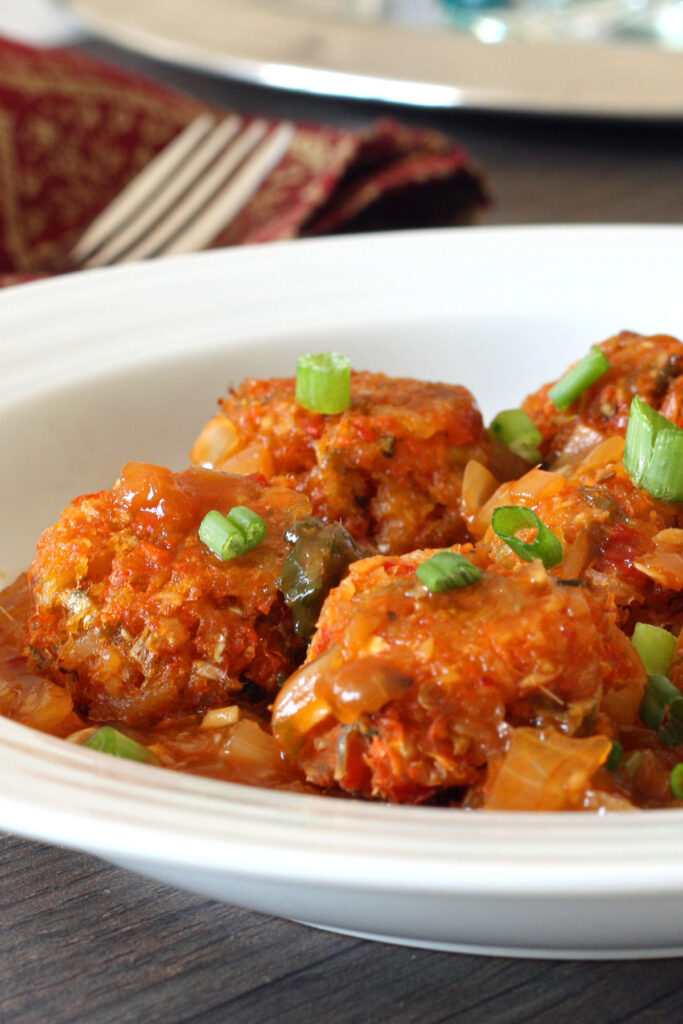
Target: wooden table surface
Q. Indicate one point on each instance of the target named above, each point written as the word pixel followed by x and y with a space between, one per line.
pixel 85 942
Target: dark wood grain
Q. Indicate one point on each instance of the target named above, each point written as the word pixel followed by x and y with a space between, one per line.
pixel 86 943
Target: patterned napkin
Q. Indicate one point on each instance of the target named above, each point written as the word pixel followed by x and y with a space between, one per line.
pixel 74 132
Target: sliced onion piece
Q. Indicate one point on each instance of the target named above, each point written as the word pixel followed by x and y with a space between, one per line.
pixel 546 771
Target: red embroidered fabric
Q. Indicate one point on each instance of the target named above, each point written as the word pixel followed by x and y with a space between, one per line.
pixel 73 132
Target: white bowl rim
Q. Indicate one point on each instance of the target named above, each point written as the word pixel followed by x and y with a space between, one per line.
pixel 126 810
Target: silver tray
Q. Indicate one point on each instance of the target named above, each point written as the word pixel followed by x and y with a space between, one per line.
pixel 383 52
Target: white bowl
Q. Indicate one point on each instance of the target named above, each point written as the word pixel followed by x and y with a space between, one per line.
pixel 107 366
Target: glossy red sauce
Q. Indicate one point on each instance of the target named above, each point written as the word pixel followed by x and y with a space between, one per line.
pixel 507 693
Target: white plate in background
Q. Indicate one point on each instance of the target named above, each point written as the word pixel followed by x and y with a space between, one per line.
pixel 106 366
pixel 292 45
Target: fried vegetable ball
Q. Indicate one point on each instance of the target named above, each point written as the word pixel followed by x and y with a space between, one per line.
pixel 407 694
pixel 639 365
pixel 139 619
pixel 390 468
pixel 615 535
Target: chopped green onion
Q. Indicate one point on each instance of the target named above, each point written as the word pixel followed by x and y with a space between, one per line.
pixel 653 452
pixel 447 569
pixel 655 646
pixel 323 382
pixel 664 477
pixel 517 431
pixel 615 756
pixel 676 780
pixel 661 709
pixel 579 378
pixel 111 741
pixel 224 538
pixel 633 764
pixel 508 520
pixel 251 524
pixel 232 535
pixel 644 423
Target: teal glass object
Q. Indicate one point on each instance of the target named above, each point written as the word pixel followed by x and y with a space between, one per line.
pixel 457 7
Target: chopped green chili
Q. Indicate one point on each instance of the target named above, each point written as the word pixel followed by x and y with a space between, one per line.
pixel 318 561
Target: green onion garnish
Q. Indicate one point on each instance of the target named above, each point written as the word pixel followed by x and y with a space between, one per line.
pixel 676 780
pixel 579 378
pixel 633 764
pixel 251 525
pixel 508 520
pixel 447 569
pixel 224 538
pixel 615 756
pixel 653 453
pixel 661 709
pixel 517 431
pixel 111 741
pixel 655 646
pixel 232 535
pixel 323 382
